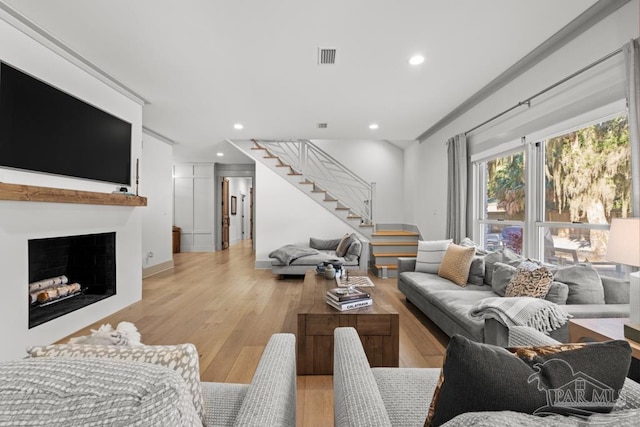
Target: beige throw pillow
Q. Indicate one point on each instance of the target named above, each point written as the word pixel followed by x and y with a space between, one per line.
pixel 456 264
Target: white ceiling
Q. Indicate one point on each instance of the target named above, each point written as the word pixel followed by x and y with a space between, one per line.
pixel 207 64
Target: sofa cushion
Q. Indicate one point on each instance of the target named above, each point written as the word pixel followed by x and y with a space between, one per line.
pixel 457 305
pixel 182 358
pixel 585 286
pixel 430 254
pixel 530 280
pixel 456 264
pixel 87 392
pixel 481 377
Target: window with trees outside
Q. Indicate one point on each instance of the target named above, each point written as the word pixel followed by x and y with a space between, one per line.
pixel 554 199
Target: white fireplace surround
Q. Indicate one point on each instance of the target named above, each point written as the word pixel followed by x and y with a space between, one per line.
pixel 22 221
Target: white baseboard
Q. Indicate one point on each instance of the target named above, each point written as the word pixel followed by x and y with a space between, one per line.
pixel 158 268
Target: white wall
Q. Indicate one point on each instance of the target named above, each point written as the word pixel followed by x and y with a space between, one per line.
pixel 425 191
pixel 156 184
pixel 286 215
pixel 239 187
pixel 374 161
pixel 21 221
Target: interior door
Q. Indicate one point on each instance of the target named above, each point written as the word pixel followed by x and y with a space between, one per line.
pixel 225 213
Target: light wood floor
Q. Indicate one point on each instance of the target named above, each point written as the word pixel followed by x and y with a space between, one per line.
pixel 220 303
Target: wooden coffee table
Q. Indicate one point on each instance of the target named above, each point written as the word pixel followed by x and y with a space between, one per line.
pixel 377 325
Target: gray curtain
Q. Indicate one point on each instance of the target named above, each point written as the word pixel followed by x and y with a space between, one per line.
pixel 632 60
pixel 457 188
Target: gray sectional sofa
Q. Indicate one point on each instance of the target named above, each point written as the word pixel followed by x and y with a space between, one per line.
pixel 448 304
pixel 365 396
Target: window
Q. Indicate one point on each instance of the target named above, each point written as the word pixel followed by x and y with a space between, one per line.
pixel 503 202
pixel 587 182
pixel 553 199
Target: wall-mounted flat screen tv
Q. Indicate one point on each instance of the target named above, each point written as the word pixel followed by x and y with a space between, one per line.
pixel 44 129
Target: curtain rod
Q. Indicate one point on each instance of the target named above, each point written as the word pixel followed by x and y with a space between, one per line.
pixel 527 101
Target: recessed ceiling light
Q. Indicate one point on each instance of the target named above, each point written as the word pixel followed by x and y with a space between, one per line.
pixel 219 154
pixel 416 60
pixel 238 126
pixel 373 126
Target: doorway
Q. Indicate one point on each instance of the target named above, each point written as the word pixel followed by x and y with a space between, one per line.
pixel 234 213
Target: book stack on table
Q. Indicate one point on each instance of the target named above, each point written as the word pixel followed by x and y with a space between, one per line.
pixel 348 298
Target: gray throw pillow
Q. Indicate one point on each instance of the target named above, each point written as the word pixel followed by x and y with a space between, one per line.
pixel 558 293
pixel 324 244
pixel 585 286
pixel 511 258
pixel 502 274
pixel 489 261
pixel 467 242
pixel 355 248
pixel 476 271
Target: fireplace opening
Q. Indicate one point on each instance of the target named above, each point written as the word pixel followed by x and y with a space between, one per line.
pixel 68 273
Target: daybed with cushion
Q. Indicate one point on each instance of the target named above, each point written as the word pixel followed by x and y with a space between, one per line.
pixel 577 289
pixel 350 251
pixel 76 384
pixel 482 385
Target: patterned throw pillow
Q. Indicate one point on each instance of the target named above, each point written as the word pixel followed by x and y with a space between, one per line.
pixel 456 264
pixel 182 358
pixel 530 280
pixel 479 377
pixel 430 254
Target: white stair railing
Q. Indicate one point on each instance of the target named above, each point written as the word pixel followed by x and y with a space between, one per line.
pixel 327 173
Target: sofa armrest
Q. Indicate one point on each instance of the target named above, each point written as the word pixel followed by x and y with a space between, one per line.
pixel 406 264
pixel 357 400
pixel 271 397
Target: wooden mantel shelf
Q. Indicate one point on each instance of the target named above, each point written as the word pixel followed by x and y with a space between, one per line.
pixel 31 193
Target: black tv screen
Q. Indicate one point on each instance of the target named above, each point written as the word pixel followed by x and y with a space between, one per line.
pixel 46 130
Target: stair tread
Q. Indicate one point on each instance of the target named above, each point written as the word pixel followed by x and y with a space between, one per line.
pixel 389 266
pixel 394 233
pixel 366 225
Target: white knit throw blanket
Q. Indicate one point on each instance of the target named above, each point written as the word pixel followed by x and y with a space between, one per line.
pixel 536 313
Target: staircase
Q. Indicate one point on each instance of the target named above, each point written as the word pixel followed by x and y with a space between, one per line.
pixel 387 246
pixel 323 178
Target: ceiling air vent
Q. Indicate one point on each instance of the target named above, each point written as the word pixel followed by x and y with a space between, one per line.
pixel 322 125
pixel 326 56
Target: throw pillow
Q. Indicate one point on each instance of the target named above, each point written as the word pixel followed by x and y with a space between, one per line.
pixel 467 242
pixel 355 248
pixel 567 379
pixel 558 293
pixel 476 271
pixel 430 254
pixel 511 258
pixel 502 275
pixel 182 358
pixel 341 250
pixel 531 280
pixel 489 261
pixel 324 244
pixel 456 264
pixel 585 285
